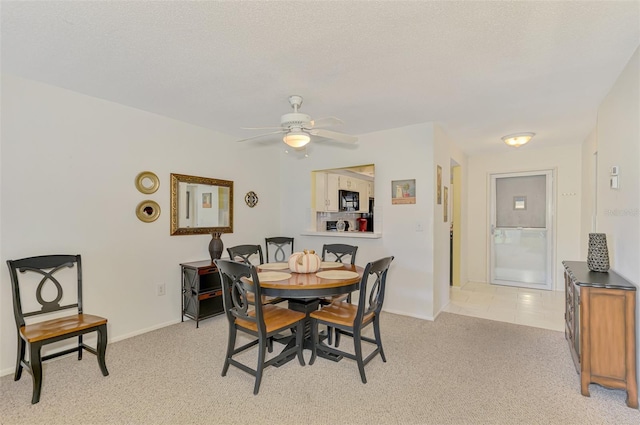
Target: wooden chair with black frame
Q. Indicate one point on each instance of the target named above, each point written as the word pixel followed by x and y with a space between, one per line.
pixel 244 254
pixel 339 253
pixel 47 281
pixel 282 248
pixel 262 322
pixel 349 319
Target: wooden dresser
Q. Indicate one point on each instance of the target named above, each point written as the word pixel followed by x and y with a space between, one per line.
pixel 600 327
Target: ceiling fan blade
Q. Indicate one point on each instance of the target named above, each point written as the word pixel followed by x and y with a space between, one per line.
pixel 326 122
pixel 261 128
pixel 334 135
pixel 262 135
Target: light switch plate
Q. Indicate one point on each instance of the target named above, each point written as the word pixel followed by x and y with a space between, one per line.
pixel 614 182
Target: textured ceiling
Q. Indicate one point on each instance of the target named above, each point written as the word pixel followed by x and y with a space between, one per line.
pixel 480 69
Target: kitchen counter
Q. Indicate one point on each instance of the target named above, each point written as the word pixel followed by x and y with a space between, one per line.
pixel 360 235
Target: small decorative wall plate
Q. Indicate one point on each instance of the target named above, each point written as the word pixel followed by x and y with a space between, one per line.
pixel 148 211
pixel 147 182
pixel 251 199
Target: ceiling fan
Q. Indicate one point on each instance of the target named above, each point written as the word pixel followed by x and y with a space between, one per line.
pixel 298 128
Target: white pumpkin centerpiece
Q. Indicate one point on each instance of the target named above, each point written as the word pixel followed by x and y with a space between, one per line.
pixel 304 262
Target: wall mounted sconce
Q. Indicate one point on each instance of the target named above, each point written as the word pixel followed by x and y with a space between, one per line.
pixel 518 139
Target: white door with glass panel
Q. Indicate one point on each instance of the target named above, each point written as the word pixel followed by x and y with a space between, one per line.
pixel 521 231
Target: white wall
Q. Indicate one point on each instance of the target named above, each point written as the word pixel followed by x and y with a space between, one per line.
pixel 566 160
pixel 68 167
pixel 617 142
pixel 444 151
pixel 587 204
pixel 398 154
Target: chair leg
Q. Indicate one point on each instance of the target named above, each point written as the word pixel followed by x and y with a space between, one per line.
pixel 231 345
pixel 35 362
pixel 300 341
pixel 261 355
pixel 80 349
pixel 329 335
pixel 376 330
pixel 314 339
pixel 357 344
pixel 270 344
pixel 20 358
pixel 101 349
pixel 336 337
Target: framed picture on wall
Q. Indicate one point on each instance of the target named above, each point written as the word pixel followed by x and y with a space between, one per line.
pixel 445 207
pixel 439 185
pixel 206 200
pixel 403 192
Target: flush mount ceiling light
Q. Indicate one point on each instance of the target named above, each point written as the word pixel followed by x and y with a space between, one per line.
pixel 517 140
pixel 296 139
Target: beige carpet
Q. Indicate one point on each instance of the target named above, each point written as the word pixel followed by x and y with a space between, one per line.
pixel 456 370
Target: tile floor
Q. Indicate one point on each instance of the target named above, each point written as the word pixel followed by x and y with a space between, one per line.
pixel 524 306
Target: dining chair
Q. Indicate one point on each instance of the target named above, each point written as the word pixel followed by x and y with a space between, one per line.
pixel 246 253
pixel 349 319
pixel 339 253
pixel 262 322
pixel 39 292
pixel 282 246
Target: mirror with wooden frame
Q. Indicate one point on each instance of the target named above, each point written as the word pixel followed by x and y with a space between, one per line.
pixel 200 205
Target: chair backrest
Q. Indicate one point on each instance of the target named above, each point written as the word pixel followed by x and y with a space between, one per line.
pixel 341 252
pixel 372 287
pixel 235 290
pixel 43 281
pixel 243 253
pixel 283 248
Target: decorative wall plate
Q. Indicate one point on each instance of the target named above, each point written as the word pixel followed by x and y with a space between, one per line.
pixel 251 199
pixel 148 211
pixel 147 182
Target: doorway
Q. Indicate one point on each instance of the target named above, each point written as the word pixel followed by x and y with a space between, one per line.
pixel 521 229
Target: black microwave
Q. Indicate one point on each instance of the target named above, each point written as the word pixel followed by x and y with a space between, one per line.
pixel 348 200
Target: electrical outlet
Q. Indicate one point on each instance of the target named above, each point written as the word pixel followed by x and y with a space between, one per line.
pixel 161 289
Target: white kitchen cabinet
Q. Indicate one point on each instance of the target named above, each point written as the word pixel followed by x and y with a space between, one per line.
pixel 326 192
pixel 362 188
pixel 348 183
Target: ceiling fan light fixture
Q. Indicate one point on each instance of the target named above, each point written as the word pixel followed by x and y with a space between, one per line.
pixel 518 139
pixel 296 139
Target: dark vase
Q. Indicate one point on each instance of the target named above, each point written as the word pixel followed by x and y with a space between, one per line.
pixel 598 255
pixel 215 246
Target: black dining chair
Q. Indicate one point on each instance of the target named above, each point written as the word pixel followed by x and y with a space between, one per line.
pixel 246 254
pixel 282 247
pixel 262 322
pixel 349 319
pixel 42 281
pixel 339 253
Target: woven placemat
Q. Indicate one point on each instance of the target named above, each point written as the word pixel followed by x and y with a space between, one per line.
pixel 273 276
pixel 330 265
pixel 337 274
pixel 273 266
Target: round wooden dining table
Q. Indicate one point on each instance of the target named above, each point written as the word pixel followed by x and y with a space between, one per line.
pixel 304 290
pixel 309 285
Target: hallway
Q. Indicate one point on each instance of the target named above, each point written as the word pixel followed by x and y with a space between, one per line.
pixel 523 306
